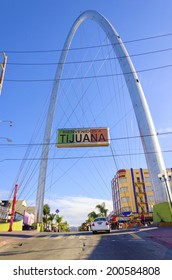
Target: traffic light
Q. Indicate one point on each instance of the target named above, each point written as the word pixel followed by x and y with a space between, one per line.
pixel 2 66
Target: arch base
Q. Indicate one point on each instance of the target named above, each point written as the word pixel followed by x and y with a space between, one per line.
pixel 162 213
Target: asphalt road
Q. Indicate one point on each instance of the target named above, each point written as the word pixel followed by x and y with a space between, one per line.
pixel 86 246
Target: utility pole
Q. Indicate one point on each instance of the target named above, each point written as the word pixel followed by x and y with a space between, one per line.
pixel 13 208
pixel 3 67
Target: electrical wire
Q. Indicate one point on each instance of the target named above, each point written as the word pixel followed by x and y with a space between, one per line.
pixel 88 47
pixel 89 77
pixel 87 61
pixel 111 139
pixel 87 157
pixel 82 157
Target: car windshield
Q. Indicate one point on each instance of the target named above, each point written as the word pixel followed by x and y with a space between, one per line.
pixel 100 220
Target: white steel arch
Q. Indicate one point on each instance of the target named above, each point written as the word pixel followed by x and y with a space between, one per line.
pixel 146 127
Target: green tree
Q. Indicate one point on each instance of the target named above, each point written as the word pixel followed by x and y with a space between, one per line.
pixel 83 227
pixel 51 217
pixel 62 225
pixel 101 207
pixel 46 213
pixel 59 219
pixel 92 215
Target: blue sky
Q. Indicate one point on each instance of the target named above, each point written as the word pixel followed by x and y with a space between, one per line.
pixel 75 186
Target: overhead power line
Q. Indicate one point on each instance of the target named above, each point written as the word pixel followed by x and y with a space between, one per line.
pixel 111 139
pixel 87 61
pixel 89 47
pixel 85 157
pixel 88 77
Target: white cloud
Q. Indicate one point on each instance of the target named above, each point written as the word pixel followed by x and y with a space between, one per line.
pixel 75 209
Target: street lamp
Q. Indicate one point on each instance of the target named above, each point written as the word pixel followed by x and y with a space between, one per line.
pixel 165 177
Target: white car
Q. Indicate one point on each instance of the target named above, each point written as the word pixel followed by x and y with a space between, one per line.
pixel 100 224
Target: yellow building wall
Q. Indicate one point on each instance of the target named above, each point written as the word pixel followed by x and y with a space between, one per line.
pixel 130 193
pixel 17 226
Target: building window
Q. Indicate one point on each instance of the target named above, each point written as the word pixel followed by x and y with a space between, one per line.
pixel 123 189
pixel 149 188
pixel 138 179
pixel 122 179
pixel 147 179
pixel 125 199
pixel 150 198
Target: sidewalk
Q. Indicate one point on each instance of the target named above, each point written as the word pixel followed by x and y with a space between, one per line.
pixel 161 235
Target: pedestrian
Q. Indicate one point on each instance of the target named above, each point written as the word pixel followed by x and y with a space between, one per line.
pixel 113 223
pixel 143 219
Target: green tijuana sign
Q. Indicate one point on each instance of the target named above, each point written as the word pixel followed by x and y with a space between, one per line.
pixel 87 137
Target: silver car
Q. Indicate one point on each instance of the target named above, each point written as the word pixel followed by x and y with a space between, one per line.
pixel 100 224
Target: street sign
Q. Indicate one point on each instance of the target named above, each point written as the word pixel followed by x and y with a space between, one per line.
pixel 83 137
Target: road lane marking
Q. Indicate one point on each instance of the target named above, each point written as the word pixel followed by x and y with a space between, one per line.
pixel 136 237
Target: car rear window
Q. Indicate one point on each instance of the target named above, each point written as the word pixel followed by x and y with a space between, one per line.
pixel 100 220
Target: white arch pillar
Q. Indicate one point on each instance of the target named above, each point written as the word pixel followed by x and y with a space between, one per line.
pixel 146 127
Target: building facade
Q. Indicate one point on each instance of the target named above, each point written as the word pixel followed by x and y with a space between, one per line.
pixel 132 193
pixel 22 212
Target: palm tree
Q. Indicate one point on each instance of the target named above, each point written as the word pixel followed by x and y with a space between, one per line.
pixel 62 225
pixel 51 217
pixel 59 219
pixel 46 212
pixel 92 215
pixel 103 211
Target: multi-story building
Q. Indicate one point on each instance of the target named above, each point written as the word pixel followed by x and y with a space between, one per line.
pixel 132 193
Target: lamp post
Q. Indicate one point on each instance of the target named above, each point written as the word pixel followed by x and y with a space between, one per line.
pixel 165 177
pixel 13 208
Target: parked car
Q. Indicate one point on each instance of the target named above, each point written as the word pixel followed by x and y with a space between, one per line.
pixel 100 224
